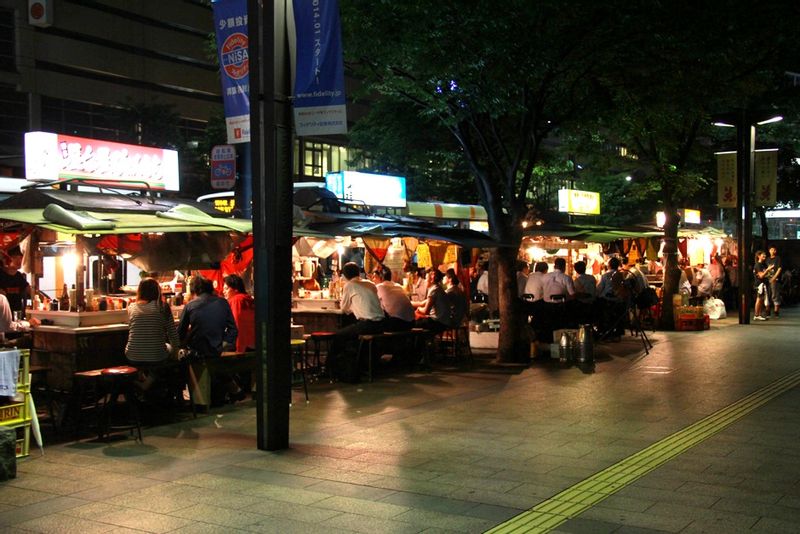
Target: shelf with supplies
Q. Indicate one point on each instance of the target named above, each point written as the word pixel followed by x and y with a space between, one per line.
pixel 17 414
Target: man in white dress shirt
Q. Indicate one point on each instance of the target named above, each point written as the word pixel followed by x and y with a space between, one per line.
pixel 557 286
pixel 394 301
pixel 359 298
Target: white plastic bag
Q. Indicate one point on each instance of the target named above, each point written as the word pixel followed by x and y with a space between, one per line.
pixel 714 308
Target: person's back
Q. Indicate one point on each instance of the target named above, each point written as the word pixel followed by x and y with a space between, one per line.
pixel 207 321
pixel 458 305
pixel 150 328
pixel 535 283
pixel 394 300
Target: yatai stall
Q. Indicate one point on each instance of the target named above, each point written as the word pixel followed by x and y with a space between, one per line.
pixel 90 232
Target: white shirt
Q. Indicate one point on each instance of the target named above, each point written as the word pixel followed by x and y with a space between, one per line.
pixel 394 301
pixel 483 283
pixel 534 285
pixel 556 283
pixel 585 283
pixel 360 297
pixel 704 281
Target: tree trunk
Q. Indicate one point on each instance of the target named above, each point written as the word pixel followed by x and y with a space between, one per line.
pixel 513 347
pixel 672 273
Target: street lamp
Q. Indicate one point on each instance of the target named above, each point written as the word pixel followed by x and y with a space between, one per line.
pixel 745 123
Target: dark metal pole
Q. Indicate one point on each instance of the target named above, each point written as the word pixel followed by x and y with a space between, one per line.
pixel 272 223
pixel 745 144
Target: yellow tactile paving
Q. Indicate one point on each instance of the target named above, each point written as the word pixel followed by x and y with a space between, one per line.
pixel 573 501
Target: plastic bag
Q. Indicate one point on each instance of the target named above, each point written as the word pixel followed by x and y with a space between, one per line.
pixel 715 309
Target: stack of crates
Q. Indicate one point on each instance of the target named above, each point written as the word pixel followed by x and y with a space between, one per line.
pixel 16 415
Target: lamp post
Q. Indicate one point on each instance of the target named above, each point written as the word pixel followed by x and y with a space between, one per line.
pixel 745 123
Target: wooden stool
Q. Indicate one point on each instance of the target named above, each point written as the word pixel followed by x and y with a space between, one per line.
pixel 299 362
pixel 86 395
pixel 120 381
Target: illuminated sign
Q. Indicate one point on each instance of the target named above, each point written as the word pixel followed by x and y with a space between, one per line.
pixel 225 205
pixel 578 202
pixel 688 216
pixel 50 157
pixel 367 188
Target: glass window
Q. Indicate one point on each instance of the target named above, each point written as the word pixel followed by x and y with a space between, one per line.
pixel 7 35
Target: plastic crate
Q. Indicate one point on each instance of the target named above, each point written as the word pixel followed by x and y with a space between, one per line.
pixel 23 378
pixel 11 414
pixel 23 441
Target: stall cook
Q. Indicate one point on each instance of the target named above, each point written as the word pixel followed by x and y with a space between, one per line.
pixel 13 282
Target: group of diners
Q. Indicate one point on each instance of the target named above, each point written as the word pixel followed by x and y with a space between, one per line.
pixel 208 326
pixel 554 300
pixel 381 305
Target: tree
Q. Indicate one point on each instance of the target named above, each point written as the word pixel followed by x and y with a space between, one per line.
pixel 685 64
pixel 500 79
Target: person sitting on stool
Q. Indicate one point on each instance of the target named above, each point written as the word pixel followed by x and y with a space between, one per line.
pixel 359 298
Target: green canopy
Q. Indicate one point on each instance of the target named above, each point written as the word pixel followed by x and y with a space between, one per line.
pixel 121 223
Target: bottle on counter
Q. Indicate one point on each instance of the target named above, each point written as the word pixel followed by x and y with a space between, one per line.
pixel 73 299
pixel 103 304
pixel 63 301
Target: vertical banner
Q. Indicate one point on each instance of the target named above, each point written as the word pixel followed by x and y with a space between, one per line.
pixel 727 183
pixel 766 177
pixel 319 99
pixel 230 25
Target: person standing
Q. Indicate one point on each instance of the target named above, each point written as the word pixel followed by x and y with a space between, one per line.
pixel 775 288
pixel 243 307
pixel 761 274
pixel 13 282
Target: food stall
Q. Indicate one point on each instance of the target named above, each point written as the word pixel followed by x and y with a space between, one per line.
pixel 155 234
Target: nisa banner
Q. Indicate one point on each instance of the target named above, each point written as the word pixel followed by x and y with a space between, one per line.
pixel 230 24
pixel 319 103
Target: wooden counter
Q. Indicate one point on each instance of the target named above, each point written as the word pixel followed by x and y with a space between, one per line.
pixel 65 350
pixel 318 320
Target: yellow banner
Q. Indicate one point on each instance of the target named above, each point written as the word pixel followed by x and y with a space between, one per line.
pixel 766 178
pixel 726 180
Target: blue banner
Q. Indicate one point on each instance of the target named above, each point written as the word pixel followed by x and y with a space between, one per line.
pixel 230 25
pixel 319 99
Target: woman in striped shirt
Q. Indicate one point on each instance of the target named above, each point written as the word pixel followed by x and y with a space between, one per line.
pixel 152 336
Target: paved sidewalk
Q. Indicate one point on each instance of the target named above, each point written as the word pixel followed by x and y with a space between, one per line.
pixel 456 451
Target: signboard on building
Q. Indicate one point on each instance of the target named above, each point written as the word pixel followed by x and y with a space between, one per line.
pixel 230 24
pixel 223 167
pixel 367 188
pixel 578 202
pixel 50 157
pixel 688 216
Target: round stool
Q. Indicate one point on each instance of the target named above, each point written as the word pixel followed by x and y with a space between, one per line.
pixel 318 339
pixel 85 397
pixel 120 381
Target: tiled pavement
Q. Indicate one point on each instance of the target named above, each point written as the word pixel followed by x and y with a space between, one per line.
pixel 455 451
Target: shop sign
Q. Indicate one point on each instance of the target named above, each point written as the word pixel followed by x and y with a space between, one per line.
pixel 688 216
pixel 223 167
pixel 50 157
pixel 225 205
pixel 578 202
pixel 367 188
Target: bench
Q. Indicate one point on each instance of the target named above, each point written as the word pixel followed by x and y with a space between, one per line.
pixel 393 343
pixel 229 362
